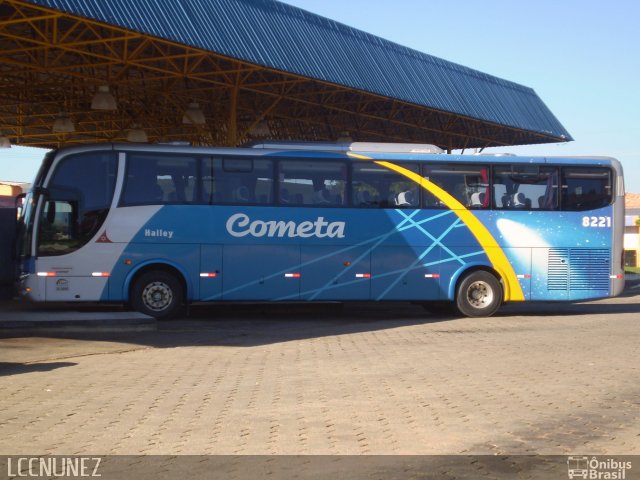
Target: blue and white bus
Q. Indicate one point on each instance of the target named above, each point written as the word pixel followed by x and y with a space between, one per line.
pixel 162 226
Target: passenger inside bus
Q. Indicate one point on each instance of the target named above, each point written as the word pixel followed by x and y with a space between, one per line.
pixel 477 200
pixel 520 202
pixel 322 197
pixel 241 194
pixel 405 199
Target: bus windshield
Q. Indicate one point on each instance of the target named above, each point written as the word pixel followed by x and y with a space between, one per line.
pixel 24 232
pixel 76 202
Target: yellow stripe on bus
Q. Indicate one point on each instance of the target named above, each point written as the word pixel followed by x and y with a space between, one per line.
pixel 512 290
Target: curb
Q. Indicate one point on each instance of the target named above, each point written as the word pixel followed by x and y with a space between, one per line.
pixel 46 322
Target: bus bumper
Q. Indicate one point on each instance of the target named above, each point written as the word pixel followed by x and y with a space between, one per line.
pixel 31 287
pixel 617 285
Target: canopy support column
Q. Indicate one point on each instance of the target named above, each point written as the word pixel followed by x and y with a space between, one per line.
pixel 232 127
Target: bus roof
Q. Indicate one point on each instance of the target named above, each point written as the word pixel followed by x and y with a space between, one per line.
pixel 353 150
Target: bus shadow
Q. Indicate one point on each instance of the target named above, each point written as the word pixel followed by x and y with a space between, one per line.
pixel 262 324
pixel 254 325
pixel 14 368
pixel 258 324
pixel 567 309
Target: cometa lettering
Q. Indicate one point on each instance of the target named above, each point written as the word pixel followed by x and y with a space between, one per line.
pixel 240 225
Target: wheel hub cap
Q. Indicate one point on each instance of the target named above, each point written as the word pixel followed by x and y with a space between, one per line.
pixel 157 296
pixel 480 294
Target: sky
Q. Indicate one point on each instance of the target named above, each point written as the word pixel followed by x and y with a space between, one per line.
pixel 582 57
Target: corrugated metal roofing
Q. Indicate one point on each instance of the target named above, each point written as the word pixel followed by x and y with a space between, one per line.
pixel 286 38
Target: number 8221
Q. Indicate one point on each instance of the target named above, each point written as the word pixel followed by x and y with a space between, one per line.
pixel 596 222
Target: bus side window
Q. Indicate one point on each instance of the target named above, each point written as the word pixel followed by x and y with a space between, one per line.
pixel 525 187
pixel 468 184
pixel 374 186
pixel 307 182
pixel 207 182
pixel 153 179
pixel 548 189
pixel 238 181
pixel 403 192
pixel 586 188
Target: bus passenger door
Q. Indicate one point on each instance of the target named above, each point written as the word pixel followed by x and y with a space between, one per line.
pixel 261 272
pixel 405 273
pixel 210 272
pixel 329 273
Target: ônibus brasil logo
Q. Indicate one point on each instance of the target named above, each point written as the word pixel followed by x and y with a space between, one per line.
pixel 240 225
pixel 596 468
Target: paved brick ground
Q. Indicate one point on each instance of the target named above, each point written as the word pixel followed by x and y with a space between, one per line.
pixel 369 379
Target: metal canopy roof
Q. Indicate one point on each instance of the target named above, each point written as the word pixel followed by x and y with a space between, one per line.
pixel 258 68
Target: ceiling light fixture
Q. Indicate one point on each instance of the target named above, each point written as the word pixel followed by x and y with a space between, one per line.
pixel 63 124
pixel 260 129
pixel 137 134
pixel 103 100
pixel 193 115
pixel 4 141
pixel 344 137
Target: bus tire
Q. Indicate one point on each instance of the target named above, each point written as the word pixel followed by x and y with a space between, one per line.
pixel 479 294
pixel 157 293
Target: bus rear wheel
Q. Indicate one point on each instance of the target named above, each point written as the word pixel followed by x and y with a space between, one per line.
pixel 479 294
pixel 158 294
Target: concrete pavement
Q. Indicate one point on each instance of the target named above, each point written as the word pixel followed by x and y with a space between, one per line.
pixel 372 379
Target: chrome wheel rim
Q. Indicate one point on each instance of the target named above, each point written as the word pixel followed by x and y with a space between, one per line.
pixel 480 294
pixel 157 296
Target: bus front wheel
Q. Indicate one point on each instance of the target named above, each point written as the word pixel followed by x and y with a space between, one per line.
pixel 479 294
pixel 158 294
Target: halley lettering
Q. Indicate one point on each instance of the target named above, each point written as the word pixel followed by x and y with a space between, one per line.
pixel 158 232
pixel 240 225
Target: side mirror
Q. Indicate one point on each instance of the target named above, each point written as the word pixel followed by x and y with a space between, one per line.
pixel 19 202
pixel 19 205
